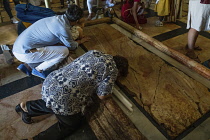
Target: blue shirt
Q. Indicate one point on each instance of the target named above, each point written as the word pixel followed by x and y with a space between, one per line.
pixel 68 90
pixel 45 32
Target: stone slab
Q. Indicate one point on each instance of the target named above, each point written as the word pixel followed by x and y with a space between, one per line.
pixel 172 98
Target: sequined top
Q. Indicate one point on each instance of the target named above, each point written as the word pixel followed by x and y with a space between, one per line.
pixel 68 90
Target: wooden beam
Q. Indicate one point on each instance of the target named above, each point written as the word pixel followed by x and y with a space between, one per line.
pixel 165 57
pixel 98 21
pixel 200 69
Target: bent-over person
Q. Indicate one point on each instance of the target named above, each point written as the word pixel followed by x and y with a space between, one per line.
pixel 67 92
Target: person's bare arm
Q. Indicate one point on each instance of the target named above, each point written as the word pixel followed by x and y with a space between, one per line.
pixel 134 12
pixel 104 97
pixel 84 39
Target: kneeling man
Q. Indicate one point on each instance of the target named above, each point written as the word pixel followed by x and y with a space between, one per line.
pixel 67 92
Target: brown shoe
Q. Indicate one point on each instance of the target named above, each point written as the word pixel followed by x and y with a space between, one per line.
pixel 196 48
pixel 193 56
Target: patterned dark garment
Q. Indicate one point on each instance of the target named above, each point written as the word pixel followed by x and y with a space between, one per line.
pixel 68 90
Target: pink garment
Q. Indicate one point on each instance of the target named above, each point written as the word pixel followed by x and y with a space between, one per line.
pixel 126 13
pixel 205 1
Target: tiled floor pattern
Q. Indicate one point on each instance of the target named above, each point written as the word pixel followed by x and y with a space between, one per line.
pixel 174 35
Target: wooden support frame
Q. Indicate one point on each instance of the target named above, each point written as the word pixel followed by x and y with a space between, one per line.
pixel 179 60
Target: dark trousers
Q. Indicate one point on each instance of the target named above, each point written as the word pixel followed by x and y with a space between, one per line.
pixel 65 126
pixel 7 6
pixel 20 27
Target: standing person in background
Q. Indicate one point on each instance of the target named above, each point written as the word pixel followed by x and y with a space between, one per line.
pixel 198 20
pixel 162 8
pixel 131 12
pixel 8 9
pixel 100 3
pixel 168 10
pixel 62 3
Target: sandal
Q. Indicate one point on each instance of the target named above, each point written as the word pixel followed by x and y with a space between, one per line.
pixel 158 23
pixel 193 56
pixel 197 48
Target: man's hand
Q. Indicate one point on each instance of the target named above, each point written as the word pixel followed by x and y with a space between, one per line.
pixel 84 39
pixel 138 27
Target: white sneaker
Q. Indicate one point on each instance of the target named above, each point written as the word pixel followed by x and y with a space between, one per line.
pixel 158 23
pixel 14 20
pixel 4 47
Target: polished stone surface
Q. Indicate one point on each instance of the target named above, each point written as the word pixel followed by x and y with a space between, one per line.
pixel 12 126
pixel 15 86
pixel 175 102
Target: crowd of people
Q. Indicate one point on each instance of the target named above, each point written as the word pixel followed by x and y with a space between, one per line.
pixel 45 43
pixel 94 72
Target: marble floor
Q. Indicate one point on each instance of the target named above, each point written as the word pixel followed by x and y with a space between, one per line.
pixel 16 86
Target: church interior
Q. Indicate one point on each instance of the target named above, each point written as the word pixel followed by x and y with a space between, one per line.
pixel 165 96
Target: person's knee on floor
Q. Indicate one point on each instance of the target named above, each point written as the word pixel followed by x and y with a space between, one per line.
pixel 45 68
pixel 70 104
pixel 25 69
pixel 47 53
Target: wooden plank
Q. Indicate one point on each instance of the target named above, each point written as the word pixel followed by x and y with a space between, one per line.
pixel 171 97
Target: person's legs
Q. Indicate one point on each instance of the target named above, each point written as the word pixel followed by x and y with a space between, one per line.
pixel 21 27
pixel 37 108
pixel 62 3
pixel 90 6
pixel 159 23
pixel 192 37
pixel 7 8
pixel 31 109
pixel 65 126
pixel 16 2
pixel 49 56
